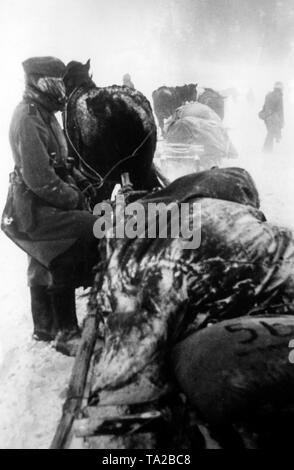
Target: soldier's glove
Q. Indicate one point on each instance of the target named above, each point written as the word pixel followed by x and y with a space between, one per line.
pixel 84 185
pixel 82 202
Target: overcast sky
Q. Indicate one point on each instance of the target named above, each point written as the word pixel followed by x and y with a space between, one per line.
pixel 116 34
pixel 156 40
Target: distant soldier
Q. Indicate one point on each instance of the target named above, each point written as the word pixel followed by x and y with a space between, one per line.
pixel 127 81
pixel 272 114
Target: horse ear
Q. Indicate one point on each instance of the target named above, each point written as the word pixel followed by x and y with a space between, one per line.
pixel 87 64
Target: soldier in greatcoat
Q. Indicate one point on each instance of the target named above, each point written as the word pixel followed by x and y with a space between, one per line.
pixel 272 114
pixel 45 213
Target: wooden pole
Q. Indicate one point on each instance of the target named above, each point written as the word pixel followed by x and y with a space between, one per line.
pixel 77 383
pixel 125 179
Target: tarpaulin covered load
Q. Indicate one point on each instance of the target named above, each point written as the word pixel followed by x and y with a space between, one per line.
pixel 198 124
pixel 197 110
pixel 238 372
pixel 155 292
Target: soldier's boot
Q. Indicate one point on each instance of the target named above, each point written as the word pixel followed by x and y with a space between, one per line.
pixel 68 338
pixel 45 327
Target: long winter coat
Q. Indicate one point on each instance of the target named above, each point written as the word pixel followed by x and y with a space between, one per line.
pixel 273 111
pixel 43 207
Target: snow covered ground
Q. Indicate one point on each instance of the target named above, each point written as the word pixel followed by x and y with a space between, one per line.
pixel 33 376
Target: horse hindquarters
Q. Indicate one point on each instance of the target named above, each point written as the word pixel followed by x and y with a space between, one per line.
pixel 237 374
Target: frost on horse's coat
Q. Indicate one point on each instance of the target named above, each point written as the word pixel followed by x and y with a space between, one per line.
pixel 112 127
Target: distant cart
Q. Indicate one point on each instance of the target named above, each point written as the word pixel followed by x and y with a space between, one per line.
pixel 177 160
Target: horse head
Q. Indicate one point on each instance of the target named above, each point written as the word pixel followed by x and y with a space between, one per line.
pixel 192 91
pixel 77 75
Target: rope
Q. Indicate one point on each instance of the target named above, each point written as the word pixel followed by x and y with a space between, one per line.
pixel 101 180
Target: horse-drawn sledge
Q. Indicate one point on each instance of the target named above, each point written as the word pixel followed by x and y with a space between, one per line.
pixel 179 342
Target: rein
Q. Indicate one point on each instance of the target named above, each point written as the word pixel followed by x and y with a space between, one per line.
pixel 101 180
pixel 82 160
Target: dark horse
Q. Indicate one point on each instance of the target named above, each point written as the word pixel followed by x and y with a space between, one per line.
pixel 167 99
pixel 111 130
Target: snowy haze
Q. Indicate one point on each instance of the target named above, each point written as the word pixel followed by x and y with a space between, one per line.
pixel 246 44
pixel 218 43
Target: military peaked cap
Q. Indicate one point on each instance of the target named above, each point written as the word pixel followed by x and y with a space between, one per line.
pixel 47 66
